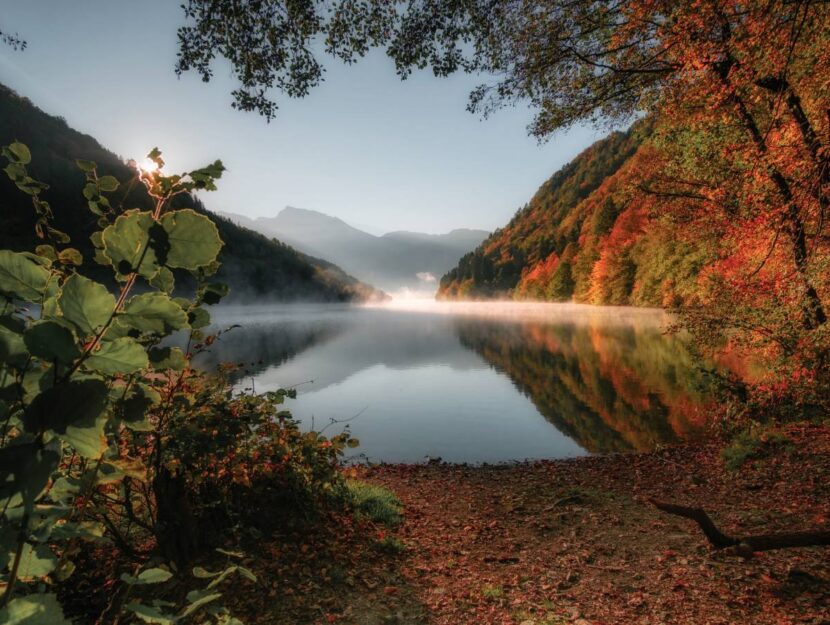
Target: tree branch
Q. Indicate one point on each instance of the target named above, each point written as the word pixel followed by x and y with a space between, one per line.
pixel 747 544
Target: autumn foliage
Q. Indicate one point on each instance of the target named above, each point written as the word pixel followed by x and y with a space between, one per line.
pixel 715 205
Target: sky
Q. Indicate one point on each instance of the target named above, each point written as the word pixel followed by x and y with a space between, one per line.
pixel 380 153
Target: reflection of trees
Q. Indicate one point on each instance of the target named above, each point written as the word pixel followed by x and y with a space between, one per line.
pixel 261 345
pixel 610 387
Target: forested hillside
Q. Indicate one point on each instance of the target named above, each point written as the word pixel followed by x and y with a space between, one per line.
pixel 253 265
pixel 585 235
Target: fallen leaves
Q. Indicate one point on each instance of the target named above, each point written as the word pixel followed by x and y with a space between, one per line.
pixel 566 542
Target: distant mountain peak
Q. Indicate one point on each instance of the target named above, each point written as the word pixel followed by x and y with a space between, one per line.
pixel 254 266
pixel 307 212
pixel 393 261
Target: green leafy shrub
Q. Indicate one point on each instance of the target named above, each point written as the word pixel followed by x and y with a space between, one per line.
pixel 107 435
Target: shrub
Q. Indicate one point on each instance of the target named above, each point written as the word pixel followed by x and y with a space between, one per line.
pixel 109 436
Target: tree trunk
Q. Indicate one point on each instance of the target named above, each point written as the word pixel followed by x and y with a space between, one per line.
pixel 813 314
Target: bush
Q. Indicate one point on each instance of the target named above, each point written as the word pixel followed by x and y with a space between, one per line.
pixel 109 440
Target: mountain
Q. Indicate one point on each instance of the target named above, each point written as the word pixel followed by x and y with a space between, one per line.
pixel 587 235
pixel 255 266
pixel 394 261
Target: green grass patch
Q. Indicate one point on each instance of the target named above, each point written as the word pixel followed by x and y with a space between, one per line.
pixel 390 544
pixel 752 444
pixel 493 592
pixel 375 503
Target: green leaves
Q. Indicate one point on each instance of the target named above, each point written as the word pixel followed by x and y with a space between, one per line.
pixel 146 613
pixel 147 576
pixel 122 355
pixel 87 436
pixel 135 408
pixel 19 153
pixel 198 318
pixel 51 341
pixel 73 383
pixel 75 402
pixel 220 576
pixel 18 156
pixel 70 256
pixel 26 469
pixel 12 348
pixel 33 610
pixel 108 183
pixel 127 244
pixel 36 562
pixel 182 239
pixel 23 276
pixel 150 614
pixel 205 177
pixel 212 293
pixel 155 313
pixel 125 467
pixel 163 280
pixel 193 238
pixel 167 358
pixel 85 166
pixel 199 599
pixel 86 304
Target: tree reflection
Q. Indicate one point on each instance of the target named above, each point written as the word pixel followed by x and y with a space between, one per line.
pixel 611 387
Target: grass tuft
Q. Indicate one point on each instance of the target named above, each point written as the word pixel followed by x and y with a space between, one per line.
pixel 492 592
pixel 752 444
pixel 390 544
pixel 376 503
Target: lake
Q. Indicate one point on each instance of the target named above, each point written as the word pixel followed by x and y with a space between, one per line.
pixel 472 382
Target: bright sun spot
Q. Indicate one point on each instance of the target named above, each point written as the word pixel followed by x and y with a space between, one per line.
pixel 148 166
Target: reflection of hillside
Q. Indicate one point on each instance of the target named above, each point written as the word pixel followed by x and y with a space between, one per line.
pixel 607 378
pixel 328 345
pixel 609 387
pixel 259 346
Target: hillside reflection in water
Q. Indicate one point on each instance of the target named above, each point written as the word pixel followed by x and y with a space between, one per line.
pixel 473 383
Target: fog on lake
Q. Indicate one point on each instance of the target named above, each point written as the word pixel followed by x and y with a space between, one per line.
pixel 472 382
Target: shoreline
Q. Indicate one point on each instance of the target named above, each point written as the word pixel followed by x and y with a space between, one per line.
pixel 575 541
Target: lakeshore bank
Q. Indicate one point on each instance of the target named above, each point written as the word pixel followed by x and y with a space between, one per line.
pixel 572 541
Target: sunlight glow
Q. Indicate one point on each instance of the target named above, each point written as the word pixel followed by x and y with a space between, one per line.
pixel 554 312
pixel 147 166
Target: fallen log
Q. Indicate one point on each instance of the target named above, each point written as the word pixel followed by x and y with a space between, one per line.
pixel 744 545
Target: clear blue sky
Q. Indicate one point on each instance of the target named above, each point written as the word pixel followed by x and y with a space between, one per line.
pixel 376 152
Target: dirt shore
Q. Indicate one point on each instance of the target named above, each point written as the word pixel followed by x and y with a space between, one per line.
pixel 560 542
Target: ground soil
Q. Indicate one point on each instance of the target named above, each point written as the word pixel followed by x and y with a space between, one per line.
pixel 572 541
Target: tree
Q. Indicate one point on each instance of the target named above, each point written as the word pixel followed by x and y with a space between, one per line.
pixel 13 40
pixel 573 60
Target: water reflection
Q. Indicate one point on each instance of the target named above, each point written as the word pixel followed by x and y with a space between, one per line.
pixel 260 344
pixel 610 387
pixel 475 383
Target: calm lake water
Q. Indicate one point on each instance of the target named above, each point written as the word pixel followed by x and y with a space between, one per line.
pixel 477 382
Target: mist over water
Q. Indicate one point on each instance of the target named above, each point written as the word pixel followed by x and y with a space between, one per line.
pixel 472 381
